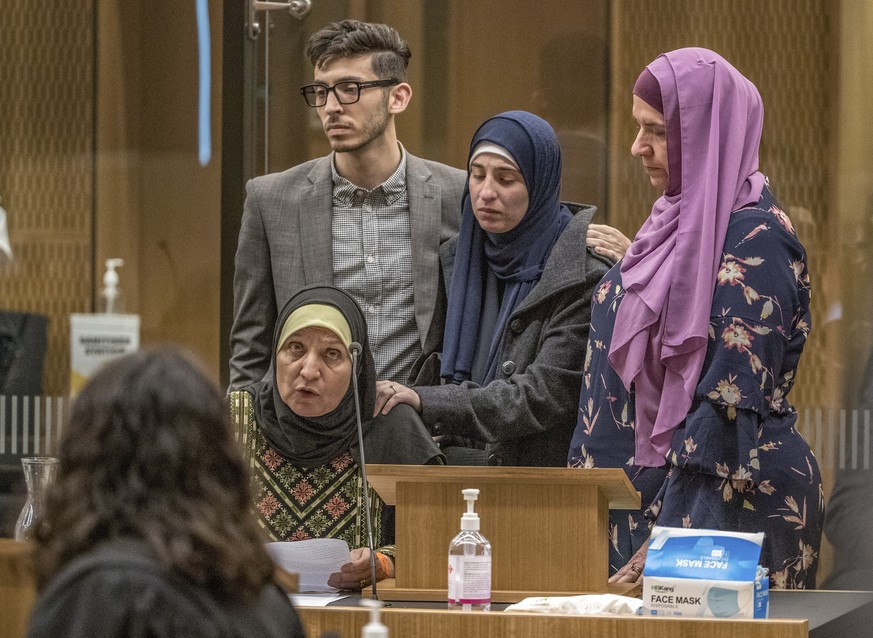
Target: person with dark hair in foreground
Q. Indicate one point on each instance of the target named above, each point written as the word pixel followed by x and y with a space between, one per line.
pixel 147 530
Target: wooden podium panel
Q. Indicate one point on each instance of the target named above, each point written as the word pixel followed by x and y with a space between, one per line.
pixel 427 623
pixel 17 587
pixel 387 590
pixel 547 526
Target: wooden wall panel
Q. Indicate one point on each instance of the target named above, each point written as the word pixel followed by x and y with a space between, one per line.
pixel 157 207
pixel 46 167
pixel 100 160
pixel 549 58
pixel 786 48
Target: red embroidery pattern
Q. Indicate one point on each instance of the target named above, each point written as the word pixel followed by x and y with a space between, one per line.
pixel 268 505
pixel 337 506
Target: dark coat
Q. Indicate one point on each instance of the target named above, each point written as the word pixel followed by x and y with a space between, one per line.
pixel 117 590
pixel 526 416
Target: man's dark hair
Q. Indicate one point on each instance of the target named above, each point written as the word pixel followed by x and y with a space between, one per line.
pixel 148 455
pixel 352 38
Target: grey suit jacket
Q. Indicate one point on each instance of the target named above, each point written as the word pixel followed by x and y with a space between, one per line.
pixel 285 243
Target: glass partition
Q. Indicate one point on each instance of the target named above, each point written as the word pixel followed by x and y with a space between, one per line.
pixel 47 119
pixel 99 154
pixel 574 64
pixel 460 74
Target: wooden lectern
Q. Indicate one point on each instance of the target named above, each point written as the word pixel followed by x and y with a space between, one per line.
pixel 17 587
pixel 547 527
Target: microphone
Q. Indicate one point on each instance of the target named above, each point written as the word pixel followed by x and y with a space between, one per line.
pixel 355 350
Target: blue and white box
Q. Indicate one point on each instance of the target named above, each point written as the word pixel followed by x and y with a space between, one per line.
pixel 702 572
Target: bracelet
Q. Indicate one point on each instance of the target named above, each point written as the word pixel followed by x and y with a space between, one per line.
pixel 387 565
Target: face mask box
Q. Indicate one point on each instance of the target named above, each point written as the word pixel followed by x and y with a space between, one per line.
pixel 700 572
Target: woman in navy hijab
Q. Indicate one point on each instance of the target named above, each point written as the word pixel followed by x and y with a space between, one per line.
pixel 519 282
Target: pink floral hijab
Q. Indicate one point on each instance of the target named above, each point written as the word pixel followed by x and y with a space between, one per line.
pixel 714 119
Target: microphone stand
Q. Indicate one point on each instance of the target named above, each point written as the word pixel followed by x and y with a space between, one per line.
pixel 355 351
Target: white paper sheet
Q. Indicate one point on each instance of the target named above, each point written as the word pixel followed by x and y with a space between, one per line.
pixel 313 560
pixel 315 600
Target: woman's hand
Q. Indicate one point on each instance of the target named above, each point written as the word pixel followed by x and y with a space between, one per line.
pixel 389 394
pixel 607 241
pixel 356 574
pixel 632 572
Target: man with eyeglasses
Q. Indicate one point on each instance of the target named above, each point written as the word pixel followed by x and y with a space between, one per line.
pixel 369 217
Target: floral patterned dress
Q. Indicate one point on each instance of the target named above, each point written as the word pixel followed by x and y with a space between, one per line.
pixel 297 503
pixel 737 462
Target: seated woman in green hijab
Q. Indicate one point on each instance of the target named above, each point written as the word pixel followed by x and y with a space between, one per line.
pixel 299 428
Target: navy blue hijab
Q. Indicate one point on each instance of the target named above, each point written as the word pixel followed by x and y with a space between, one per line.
pixel 515 258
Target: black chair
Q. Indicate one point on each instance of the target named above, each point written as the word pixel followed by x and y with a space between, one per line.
pixel 22 358
pixel 22 352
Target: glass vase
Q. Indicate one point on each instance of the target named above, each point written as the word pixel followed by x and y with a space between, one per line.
pixel 39 471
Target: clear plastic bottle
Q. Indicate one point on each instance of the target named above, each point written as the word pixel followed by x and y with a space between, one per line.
pixel 470 563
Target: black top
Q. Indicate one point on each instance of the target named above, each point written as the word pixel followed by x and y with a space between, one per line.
pixel 117 590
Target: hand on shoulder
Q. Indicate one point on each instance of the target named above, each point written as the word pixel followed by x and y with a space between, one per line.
pixel 391 393
pixel 607 241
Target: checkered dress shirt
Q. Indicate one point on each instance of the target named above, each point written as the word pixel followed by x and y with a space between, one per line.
pixel 372 261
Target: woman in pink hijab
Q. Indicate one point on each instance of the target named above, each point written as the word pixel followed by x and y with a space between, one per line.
pixel 697 333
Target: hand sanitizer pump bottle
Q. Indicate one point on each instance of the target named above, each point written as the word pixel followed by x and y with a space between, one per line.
pixel 98 337
pixel 110 296
pixel 374 628
pixel 470 562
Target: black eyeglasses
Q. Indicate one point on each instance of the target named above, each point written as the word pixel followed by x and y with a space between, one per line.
pixel 347 92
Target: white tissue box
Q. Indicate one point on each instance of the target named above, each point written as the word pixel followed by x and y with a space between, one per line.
pixel 699 572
